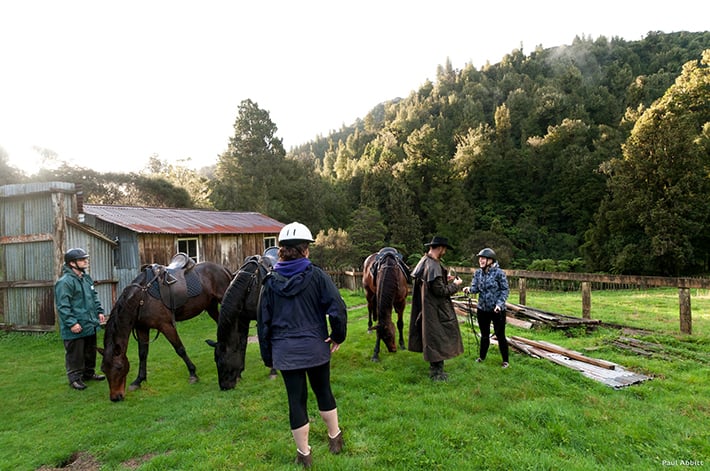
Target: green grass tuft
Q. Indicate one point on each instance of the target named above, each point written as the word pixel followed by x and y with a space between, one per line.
pixel 533 416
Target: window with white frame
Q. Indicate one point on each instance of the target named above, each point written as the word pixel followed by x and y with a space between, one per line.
pixel 189 246
pixel 269 242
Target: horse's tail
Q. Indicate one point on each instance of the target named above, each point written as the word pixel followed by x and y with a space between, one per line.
pixel 387 280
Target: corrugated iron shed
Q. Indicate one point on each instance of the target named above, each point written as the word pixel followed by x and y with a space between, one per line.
pixel 184 221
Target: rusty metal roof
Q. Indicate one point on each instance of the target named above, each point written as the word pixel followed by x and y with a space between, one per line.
pixel 184 221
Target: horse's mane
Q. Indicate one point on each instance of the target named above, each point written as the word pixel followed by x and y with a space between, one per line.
pixel 235 298
pixel 124 304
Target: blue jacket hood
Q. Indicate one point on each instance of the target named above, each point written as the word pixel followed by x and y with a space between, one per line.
pixel 294 276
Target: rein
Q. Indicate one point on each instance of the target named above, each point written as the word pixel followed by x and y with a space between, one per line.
pixel 144 290
pixel 471 323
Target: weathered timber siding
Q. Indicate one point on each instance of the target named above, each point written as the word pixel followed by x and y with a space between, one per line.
pixel 38 223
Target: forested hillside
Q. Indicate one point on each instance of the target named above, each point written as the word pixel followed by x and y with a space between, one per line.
pixel 519 156
pixel 593 156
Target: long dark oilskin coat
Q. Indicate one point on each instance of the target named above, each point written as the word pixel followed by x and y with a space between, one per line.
pixel 433 326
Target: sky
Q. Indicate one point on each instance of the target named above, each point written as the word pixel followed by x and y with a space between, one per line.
pixel 106 85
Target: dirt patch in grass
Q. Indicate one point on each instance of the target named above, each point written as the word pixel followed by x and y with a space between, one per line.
pixel 136 462
pixel 82 461
pixel 79 461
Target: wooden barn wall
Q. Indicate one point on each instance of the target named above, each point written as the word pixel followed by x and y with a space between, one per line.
pixel 156 248
pixel 34 235
pixel 209 246
pixel 31 232
pixel 228 250
pixel 234 249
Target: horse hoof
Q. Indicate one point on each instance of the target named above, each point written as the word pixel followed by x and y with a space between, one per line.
pixel 133 387
pixel 194 379
pixel 375 360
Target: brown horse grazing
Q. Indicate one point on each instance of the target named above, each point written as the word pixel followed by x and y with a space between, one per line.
pixel 139 309
pixel 385 278
pixel 238 309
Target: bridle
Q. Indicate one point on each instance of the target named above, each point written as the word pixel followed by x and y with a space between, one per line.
pixel 144 292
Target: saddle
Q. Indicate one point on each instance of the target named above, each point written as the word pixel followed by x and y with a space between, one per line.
pixel 392 252
pixel 175 282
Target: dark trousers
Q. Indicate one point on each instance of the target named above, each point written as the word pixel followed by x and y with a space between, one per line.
pixel 297 391
pixel 484 323
pixel 80 357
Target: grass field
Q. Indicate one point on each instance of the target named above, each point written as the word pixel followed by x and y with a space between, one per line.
pixel 535 415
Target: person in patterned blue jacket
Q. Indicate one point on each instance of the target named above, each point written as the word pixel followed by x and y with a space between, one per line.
pixel 491 285
pixel 298 301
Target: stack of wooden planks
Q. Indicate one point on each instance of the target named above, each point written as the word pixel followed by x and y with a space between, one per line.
pixel 526 316
pixel 603 371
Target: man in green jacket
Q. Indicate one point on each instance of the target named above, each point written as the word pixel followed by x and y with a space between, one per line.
pixel 80 317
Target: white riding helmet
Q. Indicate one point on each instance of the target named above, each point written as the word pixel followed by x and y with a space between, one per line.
pixel 295 233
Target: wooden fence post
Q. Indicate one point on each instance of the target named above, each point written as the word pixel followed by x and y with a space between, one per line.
pixel 586 300
pixel 686 320
pixel 521 287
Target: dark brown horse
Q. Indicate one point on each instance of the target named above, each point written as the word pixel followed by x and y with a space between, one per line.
pixel 385 279
pixel 239 308
pixel 139 309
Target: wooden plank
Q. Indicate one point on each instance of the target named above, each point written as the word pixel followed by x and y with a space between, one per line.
pixel 25 238
pixel 519 322
pixel 617 377
pixel 570 353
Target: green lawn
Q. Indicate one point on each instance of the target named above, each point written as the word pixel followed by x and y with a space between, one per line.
pixel 536 415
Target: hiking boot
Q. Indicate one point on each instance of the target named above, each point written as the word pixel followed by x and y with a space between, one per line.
pixel 436 371
pixel 93 377
pixel 304 460
pixel 439 376
pixel 78 385
pixel 335 444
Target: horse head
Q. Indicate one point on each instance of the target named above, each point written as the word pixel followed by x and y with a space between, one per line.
pixel 238 308
pixel 115 364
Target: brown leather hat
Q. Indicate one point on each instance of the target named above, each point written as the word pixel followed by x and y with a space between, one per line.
pixel 438 241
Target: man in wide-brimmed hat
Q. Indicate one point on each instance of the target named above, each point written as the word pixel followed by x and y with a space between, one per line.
pixel 434 329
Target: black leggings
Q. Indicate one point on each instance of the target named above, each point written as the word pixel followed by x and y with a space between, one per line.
pixel 484 323
pixel 297 391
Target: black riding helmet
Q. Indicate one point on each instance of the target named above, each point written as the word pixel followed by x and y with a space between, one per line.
pixel 488 253
pixel 75 254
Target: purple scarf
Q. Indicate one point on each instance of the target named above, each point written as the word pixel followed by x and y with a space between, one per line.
pixel 292 267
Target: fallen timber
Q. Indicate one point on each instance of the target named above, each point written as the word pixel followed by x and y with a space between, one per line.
pixel 608 373
pixel 525 316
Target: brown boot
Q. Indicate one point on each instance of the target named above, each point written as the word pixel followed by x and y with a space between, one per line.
pixel 304 460
pixel 335 444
